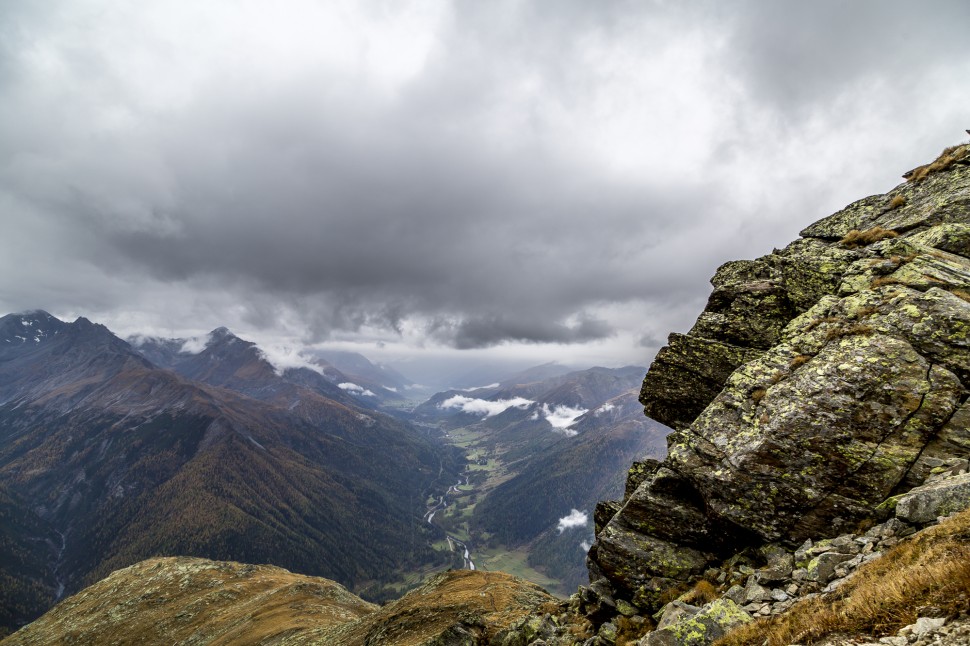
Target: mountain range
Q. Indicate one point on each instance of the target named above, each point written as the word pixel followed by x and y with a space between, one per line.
pixel 107 458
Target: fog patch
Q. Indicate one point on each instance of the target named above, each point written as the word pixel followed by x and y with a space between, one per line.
pixel 574 519
pixel 483 406
pixel 561 417
pixel 355 389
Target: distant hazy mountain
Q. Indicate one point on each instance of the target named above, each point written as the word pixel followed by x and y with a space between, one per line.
pixel 367 373
pixel 225 360
pixel 106 458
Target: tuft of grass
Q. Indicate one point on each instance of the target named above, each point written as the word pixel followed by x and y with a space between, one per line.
pixel 947 158
pixel 932 569
pixel 758 394
pixel 864 312
pixel 826 319
pixel 883 280
pixel 858 329
pixel 702 592
pixel 799 360
pixel 857 238
pixel 896 202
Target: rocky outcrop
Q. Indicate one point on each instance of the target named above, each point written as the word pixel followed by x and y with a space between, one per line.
pixel 820 383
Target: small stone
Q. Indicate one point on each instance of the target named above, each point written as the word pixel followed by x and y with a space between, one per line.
pixel 822 567
pixel 625 608
pixel 802 552
pixel 895 640
pixel 782 606
pixel 891 527
pixel 607 632
pixel 779 595
pixel 736 594
pixel 754 592
pixel 792 589
pixel 674 612
pixel 801 574
pixel 926 625
pixel 833 584
pixel 844 544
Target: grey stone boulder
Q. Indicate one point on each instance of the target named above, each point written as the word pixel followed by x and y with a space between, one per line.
pixel 712 622
pixel 943 497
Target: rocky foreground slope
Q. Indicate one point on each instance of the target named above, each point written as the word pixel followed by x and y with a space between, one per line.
pixel 814 479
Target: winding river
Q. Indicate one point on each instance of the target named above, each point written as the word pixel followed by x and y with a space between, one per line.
pixel 469 564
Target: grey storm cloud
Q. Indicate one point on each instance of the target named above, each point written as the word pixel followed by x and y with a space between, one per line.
pixel 469 174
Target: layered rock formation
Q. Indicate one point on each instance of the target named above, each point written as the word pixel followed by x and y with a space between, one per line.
pixel 820 381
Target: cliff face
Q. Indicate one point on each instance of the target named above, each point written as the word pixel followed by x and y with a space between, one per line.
pixel 820 381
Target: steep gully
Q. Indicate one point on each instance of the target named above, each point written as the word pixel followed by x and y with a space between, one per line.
pixel 452 541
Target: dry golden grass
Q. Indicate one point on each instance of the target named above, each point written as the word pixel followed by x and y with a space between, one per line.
pixel 947 158
pixel 858 329
pixel 897 202
pixel 702 592
pixel 932 570
pixel 827 319
pixel 758 394
pixel 883 280
pixel 864 312
pixel 799 360
pixel 857 238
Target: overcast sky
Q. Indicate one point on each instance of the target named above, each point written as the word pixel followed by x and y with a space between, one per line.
pixel 544 180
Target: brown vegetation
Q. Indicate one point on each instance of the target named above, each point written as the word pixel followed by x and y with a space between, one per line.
pixel 702 592
pixel 799 360
pixel 947 158
pixel 827 319
pixel 932 570
pixel 758 394
pixel 856 238
pixel 857 329
pixel 883 280
pixel 897 202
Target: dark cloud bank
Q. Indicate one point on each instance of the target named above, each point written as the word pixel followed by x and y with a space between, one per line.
pixel 438 174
